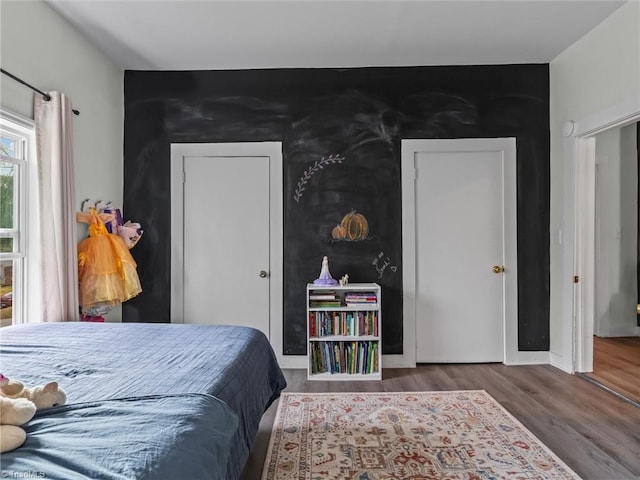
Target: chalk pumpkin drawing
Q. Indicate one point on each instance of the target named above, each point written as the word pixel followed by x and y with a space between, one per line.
pixel 338 232
pixel 308 173
pixel 353 227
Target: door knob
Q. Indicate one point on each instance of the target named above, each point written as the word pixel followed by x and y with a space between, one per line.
pixel 497 269
pixel 263 274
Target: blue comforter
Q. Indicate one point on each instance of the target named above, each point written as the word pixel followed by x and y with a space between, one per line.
pixel 143 438
pixel 98 362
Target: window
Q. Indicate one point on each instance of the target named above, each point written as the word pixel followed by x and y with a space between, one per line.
pixel 17 153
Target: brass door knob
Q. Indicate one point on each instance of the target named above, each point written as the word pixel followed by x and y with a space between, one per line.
pixel 497 269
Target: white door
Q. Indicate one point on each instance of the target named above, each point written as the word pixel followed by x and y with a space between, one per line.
pixel 460 252
pixel 226 215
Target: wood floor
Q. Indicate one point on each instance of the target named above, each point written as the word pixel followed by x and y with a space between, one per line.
pixel 594 432
pixel 616 365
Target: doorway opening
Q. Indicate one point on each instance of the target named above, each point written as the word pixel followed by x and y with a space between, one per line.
pixel 605 296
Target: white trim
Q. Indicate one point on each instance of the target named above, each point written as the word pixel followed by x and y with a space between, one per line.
pixel 559 361
pixel 585 251
pixel 565 360
pixel 624 331
pixel 293 361
pixel 274 151
pixel 24 309
pixel 398 361
pixel 619 115
pixel 510 228
pixel 507 147
pixel 22 121
pixel 408 185
pixel 579 154
pixel 528 358
pixel 177 233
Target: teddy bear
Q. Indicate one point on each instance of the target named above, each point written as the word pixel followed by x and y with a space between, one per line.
pixel 44 396
pixel 18 405
pixel 14 412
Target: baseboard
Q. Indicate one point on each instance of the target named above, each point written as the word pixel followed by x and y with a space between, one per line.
pixel 292 361
pixel 625 331
pixel 528 358
pixel 397 361
pixel 400 361
pixel 560 362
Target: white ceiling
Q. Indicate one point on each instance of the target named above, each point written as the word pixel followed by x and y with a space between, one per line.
pixel 195 35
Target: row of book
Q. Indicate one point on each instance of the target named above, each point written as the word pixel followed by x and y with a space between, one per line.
pixel 322 324
pixel 360 298
pixel 330 298
pixel 324 299
pixel 344 357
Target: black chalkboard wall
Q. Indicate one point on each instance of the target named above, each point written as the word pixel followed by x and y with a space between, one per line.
pixel 349 122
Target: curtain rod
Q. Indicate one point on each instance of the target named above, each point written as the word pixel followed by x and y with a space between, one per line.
pixel 46 96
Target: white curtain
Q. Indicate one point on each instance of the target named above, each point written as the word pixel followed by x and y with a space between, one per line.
pixel 56 216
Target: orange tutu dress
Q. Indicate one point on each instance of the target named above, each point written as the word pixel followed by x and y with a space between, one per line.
pixel 107 273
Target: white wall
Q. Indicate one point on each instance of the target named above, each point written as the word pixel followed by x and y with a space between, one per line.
pixel 616 232
pixel 40 47
pixel 598 72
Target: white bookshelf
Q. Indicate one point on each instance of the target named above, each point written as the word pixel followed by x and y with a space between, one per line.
pixel 344 332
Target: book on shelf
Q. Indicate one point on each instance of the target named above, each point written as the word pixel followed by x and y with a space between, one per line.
pixel 361 297
pixel 344 357
pixel 329 295
pixel 322 324
pixel 368 323
pixel 363 294
pixel 324 303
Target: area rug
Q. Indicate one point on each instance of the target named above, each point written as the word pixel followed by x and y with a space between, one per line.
pixel 404 436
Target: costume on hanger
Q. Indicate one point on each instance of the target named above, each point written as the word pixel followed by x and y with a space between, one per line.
pixel 107 272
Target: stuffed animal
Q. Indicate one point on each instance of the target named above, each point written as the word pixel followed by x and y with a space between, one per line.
pixel 10 387
pixel 18 405
pixel 44 396
pixel 14 412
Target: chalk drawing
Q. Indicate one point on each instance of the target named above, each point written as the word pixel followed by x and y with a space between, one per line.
pixel 308 173
pixel 381 263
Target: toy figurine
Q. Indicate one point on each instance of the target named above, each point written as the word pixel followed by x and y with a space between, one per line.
pixel 325 276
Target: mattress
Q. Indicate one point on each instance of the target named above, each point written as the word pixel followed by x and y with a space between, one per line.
pixel 95 362
pixel 166 437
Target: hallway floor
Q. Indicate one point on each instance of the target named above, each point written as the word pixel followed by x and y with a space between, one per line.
pixel 616 365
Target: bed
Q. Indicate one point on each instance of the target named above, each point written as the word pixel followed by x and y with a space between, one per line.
pixel 144 401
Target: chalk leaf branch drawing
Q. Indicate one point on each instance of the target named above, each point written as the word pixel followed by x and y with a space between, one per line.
pixel 308 173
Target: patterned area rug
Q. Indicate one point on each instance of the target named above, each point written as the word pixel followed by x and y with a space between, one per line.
pixel 405 435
